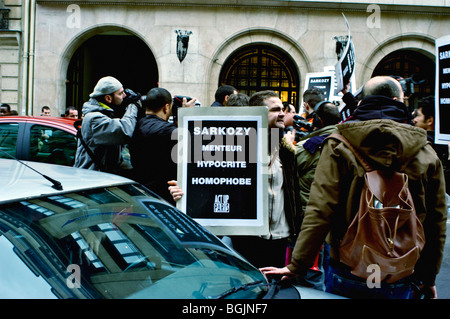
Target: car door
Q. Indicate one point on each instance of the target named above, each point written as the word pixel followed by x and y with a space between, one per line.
pixel 11 134
pixel 49 144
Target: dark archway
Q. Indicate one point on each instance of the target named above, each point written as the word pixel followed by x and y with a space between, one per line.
pixel 126 57
pixel 262 67
pixel 406 64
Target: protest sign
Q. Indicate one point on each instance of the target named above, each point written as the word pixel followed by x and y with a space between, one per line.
pixel 322 80
pixel 442 100
pixel 345 67
pixel 223 154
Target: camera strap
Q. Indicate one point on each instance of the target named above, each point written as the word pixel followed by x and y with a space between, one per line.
pixel 91 154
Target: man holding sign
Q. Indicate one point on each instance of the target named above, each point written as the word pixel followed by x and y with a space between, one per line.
pixel 283 190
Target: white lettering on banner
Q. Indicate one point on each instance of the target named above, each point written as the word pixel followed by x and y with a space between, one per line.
pixel 221 181
pixel 445 85
pixel 320 80
pixel 221 148
pixel 223 164
pixel 222 130
pixel 444 55
pixel 446 71
pixel 445 100
pixel 221 204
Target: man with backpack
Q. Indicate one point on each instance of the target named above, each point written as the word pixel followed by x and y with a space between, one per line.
pixel 380 131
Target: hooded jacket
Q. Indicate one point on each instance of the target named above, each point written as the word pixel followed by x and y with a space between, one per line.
pixel 104 135
pixel 307 155
pixel 334 196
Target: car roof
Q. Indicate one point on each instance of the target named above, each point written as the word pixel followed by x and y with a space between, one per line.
pixel 20 182
pixel 61 122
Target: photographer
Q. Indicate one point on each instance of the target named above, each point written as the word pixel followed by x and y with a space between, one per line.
pixel 109 120
pixel 153 141
pixel 311 97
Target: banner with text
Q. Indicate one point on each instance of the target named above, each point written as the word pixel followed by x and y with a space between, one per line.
pixel 222 168
pixel 322 80
pixel 442 100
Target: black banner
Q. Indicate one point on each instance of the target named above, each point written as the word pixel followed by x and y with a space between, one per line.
pixel 222 168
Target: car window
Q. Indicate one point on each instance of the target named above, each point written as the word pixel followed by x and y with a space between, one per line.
pixel 8 139
pixel 123 242
pixel 16 279
pixel 52 145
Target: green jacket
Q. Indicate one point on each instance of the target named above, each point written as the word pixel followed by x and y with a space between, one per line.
pixel 307 155
pixel 334 198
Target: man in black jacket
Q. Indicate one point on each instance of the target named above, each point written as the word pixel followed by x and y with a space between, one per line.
pixel 153 142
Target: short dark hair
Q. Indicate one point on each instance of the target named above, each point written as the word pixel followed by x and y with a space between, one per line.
pixel 8 107
pixel 427 106
pixel 238 99
pixel 223 91
pixel 257 99
pixel 157 98
pixel 70 108
pixel 313 96
pixel 328 113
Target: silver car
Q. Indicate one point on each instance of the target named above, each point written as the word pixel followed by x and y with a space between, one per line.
pixel 74 233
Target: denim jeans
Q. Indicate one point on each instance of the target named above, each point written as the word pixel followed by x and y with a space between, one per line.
pixel 341 282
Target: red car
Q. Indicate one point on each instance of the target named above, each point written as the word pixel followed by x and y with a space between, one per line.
pixel 40 139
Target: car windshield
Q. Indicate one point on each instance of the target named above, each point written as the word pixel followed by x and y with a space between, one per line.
pixel 123 242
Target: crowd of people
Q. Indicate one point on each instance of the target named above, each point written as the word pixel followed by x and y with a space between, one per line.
pixel 70 112
pixel 313 181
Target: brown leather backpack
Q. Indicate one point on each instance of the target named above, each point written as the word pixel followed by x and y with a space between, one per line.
pixel 385 231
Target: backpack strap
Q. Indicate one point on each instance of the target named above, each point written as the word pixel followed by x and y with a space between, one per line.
pixel 91 154
pixel 358 155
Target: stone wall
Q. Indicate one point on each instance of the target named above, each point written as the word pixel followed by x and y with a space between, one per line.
pixel 303 29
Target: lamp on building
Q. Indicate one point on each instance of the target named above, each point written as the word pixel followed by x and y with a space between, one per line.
pixel 182 43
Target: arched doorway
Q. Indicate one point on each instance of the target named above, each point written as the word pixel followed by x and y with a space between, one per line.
pixel 418 69
pixel 123 56
pixel 262 67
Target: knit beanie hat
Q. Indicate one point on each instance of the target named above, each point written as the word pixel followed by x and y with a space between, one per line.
pixel 106 85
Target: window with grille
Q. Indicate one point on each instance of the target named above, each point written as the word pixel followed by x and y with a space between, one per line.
pixel 260 67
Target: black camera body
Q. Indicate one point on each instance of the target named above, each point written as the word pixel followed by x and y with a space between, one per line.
pixel 177 101
pixel 301 123
pixel 408 83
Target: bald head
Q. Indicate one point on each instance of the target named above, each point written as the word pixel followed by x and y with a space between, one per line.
pixel 384 86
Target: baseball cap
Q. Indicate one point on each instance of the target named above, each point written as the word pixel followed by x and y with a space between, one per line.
pixel 106 85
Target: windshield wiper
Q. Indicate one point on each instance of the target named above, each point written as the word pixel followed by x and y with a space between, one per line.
pixel 249 285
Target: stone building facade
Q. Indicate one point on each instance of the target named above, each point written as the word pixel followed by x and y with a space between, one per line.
pixel 55 51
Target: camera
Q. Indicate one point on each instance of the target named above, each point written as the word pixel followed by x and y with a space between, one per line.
pixel 301 123
pixel 133 97
pixel 177 101
pixel 408 83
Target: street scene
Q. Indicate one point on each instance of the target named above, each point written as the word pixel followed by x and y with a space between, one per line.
pixel 251 150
